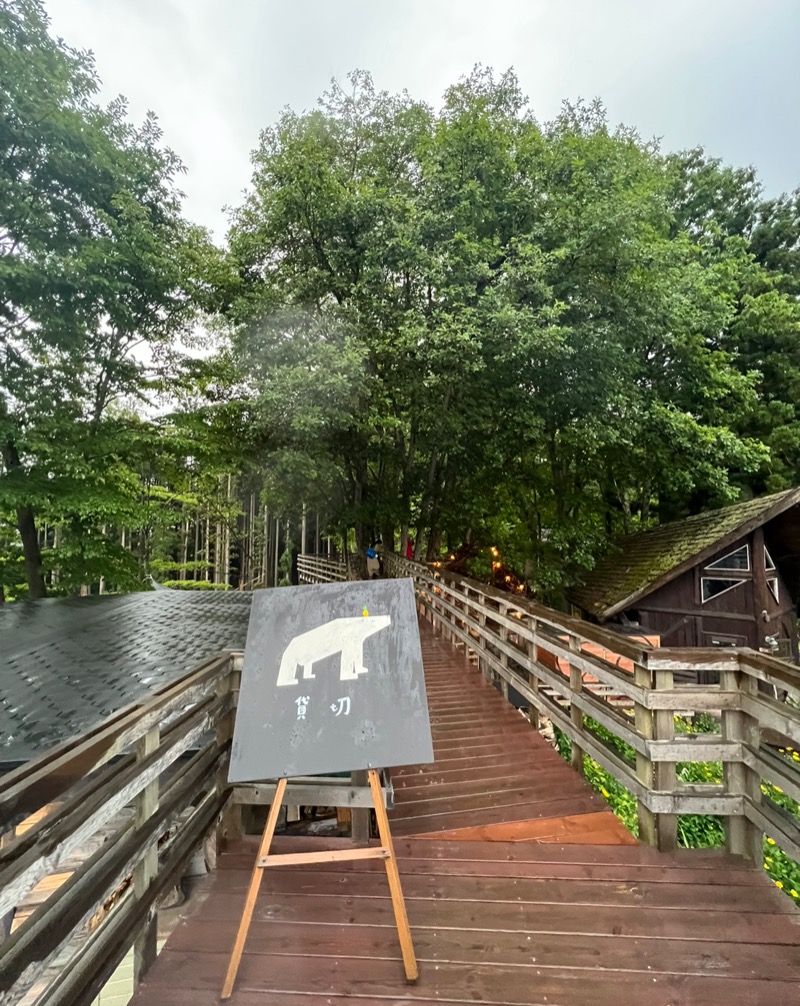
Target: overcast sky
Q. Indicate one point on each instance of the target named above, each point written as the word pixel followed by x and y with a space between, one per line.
pixel 719 73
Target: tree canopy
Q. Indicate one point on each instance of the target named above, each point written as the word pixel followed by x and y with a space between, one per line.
pixel 460 324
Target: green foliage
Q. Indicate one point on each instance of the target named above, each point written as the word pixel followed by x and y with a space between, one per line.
pixel 99 275
pixel 695 831
pixel 194 585
pixel 529 335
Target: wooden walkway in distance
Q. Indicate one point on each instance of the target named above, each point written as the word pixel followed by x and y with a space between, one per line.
pixel 494 778
pixel 519 891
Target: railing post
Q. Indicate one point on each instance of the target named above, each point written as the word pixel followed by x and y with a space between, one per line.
pixel 575 713
pixel 503 633
pixel 483 664
pixel 464 627
pixel 659 830
pixel 230 827
pixel 145 947
pixel 742 837
pixel 533 678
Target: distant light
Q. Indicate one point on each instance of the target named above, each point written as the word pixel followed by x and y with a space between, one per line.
pixel 494 551
pixel 452 557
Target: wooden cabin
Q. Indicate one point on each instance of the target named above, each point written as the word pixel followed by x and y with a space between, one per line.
pixel 728 577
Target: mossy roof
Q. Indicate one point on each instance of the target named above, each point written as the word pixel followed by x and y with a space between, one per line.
pixel 643 562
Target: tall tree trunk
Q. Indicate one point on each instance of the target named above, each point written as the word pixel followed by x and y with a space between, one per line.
pixel 196 556
pixel 184 547
pixel 26 525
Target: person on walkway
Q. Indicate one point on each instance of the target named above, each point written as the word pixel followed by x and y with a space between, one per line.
pixel 410 548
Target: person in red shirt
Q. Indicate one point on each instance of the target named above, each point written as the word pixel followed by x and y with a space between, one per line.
pixel 410 548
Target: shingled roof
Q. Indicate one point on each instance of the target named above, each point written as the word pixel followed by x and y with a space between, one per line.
pixel 66 664
pixel 642 562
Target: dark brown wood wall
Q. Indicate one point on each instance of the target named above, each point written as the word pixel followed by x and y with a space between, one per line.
pixel 676 611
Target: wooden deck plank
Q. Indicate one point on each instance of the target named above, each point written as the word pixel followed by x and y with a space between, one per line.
pixel 693 923
pixel 511 898
pixel 431 849
pixel 730 897
pixel 555 950
pixel 492 984
pixel 491 768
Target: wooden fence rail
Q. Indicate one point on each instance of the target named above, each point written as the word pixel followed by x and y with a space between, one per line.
pixel 320 569
pixel 591 682
pixel 115 814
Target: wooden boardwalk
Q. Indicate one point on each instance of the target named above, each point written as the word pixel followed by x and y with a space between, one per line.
pixel 520 890
pixel 494 778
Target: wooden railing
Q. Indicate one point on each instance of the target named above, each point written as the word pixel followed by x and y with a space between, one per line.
pixel 326 569
pixel 617 701
pixel 113 817
pixel 320 569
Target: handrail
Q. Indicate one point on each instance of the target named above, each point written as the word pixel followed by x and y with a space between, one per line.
pixel 323 569
pixel 577 675
pixel 115 816
pixel 320 569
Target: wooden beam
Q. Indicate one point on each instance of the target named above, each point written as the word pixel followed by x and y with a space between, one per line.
pixel 328 856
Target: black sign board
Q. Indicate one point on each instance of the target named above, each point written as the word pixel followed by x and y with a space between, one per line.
pixel 332 682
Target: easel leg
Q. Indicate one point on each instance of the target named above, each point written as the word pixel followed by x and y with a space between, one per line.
pixel 252 891
pixel 393 876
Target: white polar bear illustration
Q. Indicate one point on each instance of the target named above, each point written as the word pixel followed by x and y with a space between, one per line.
pixel 341 635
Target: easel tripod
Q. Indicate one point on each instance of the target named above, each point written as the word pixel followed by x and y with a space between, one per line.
pixel 264 861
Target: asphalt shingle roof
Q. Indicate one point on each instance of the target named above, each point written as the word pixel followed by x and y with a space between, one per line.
pixel 641 561
pixel 66 664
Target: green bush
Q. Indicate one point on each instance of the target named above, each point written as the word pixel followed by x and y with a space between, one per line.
pixel 194 585
pixel 695 831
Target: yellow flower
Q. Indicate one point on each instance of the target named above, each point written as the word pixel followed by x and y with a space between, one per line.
pixel 770 841
pixel 604 791
pixel 779 883
pixel 766 865
pixel 794 893
pixel 796 756
pixel 777 789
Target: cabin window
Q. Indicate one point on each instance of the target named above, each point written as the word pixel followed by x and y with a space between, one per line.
pixel 720 639
pixel 769 565
pixel 774 589
pixel 737 561
pixel 711 586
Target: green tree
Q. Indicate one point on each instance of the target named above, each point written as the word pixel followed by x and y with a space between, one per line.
pixel 98 272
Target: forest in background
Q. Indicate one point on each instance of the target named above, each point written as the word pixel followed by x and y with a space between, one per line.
pixel 462 324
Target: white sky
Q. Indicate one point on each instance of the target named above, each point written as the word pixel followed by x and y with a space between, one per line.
pixel 719 73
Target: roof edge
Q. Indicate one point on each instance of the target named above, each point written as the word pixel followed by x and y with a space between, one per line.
pixel 788 499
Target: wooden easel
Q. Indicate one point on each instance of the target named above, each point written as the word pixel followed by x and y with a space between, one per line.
pixel 264 861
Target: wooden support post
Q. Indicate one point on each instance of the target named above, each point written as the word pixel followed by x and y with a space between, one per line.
pixel 464 626
pixel 145 947
pixel 252 891
pixel 503 634
pixel 576 714
pixel 659 830
pixel 483 664
pixel 665 772
pixel 533 678
pixel 645 773
pixel 360 816
pixel 230 827
pixel 742 837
